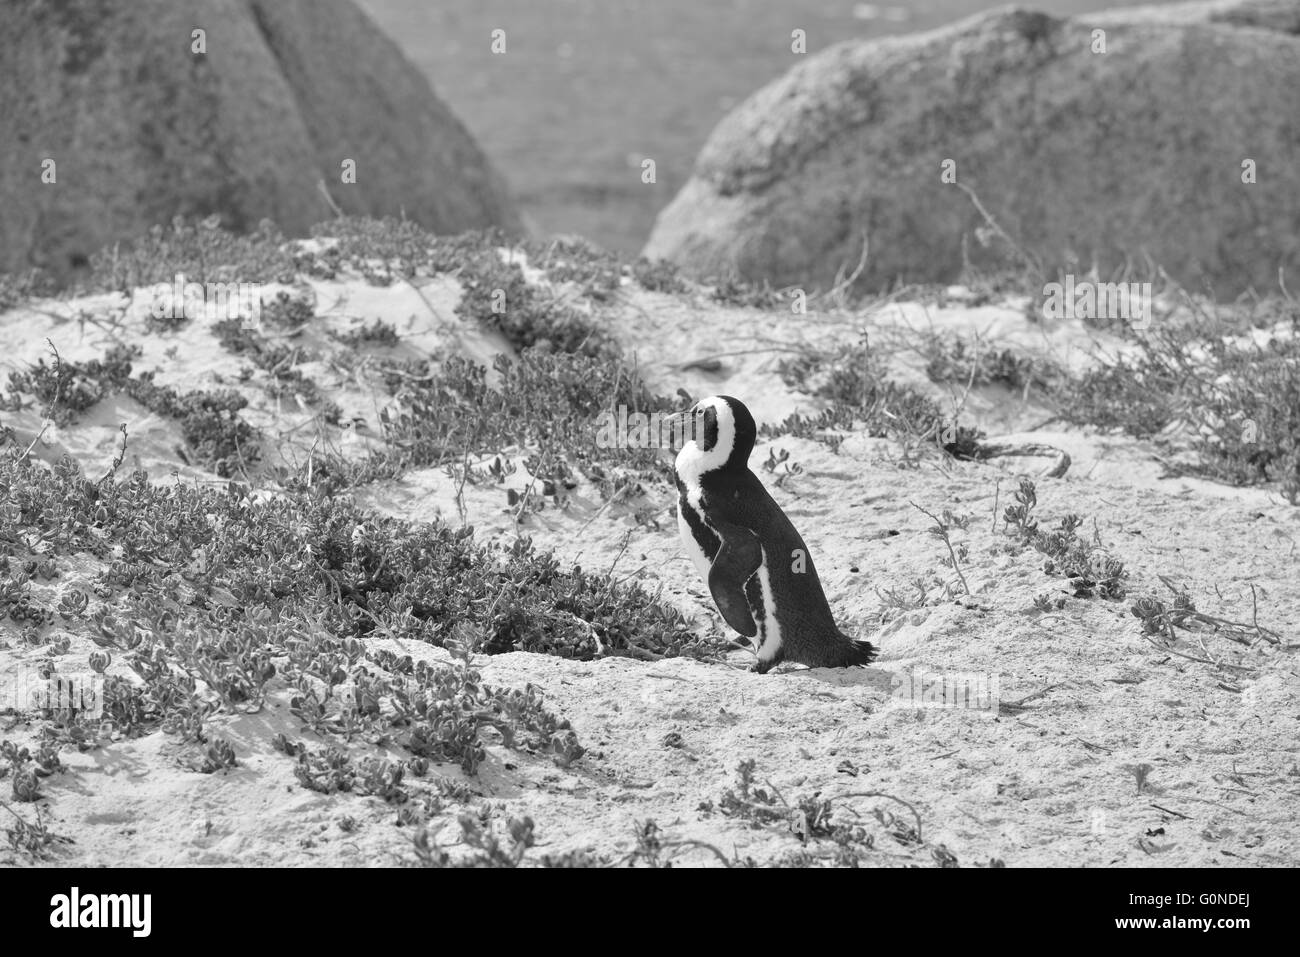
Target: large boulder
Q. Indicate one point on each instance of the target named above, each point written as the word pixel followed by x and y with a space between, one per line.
pixel 142 129
pixel 1134 155
pixel 1280 15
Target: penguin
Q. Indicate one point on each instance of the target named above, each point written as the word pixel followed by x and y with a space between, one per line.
pixel 757 567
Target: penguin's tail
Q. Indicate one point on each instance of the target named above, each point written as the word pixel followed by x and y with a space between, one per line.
pixel 854 651
pixel 829 649
pixel 863 653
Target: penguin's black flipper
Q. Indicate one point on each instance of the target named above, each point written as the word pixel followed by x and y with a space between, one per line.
pixel 737 559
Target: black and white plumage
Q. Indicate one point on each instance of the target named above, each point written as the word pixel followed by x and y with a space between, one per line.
pixel 758 569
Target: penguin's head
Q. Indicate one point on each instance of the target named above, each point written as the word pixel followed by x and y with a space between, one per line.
pixel 719 434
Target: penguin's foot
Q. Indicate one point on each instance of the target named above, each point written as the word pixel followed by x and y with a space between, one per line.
pixel 762 667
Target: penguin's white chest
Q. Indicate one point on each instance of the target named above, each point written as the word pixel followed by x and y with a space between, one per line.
pixel 769 627
pixel 692 547
pixel 768 640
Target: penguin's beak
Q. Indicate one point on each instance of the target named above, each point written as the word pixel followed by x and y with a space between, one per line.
pixel 683 427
